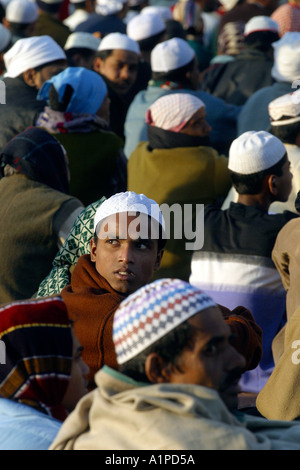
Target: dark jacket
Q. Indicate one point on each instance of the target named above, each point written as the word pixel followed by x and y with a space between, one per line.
pixel 20 111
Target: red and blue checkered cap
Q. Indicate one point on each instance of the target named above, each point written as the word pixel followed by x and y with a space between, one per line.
pixel 151 312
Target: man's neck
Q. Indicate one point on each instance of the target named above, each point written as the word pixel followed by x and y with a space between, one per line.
pixel 260 201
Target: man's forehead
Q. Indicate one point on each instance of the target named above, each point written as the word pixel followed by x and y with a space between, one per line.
pixel 122 55
pixel 133 224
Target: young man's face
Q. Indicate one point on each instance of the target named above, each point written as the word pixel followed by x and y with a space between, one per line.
pixel 120 68
pixel 284 182
pixel 124 259
pixel 212 361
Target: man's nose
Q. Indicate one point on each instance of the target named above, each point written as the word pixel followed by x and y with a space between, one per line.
pixel 126 253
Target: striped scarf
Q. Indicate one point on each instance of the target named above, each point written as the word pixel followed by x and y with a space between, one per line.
pixel 38 354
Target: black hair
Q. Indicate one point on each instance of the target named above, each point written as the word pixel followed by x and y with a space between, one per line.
pixel 85 52
pixel 177 75
pixel 52 62
pixel 287 133
pixel 104 54
pixel 253 183
pixel 149 43
pixel 18 28
pixel 261 40
pixel 169 348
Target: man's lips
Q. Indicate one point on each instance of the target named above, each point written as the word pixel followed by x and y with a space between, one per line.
pixel 124 274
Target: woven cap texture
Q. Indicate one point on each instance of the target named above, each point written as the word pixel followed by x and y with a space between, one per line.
pixel 171 55
pixel 128 201
pixel 151 312
pixel 254 151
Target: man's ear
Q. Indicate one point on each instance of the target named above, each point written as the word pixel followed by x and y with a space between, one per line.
pixel 93 249
pixel 272 184
pixel 97 66
pixel 29 77
pixel 156 370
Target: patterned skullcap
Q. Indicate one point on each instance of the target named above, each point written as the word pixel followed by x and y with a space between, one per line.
pixel 128 201
pixel 153 311
pixel 172 112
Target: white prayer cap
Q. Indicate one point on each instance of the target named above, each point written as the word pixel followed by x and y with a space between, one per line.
pixel 228 4
pixel 261 23
pixel 119 41
pixel 83 40
pixel 254 151
pixel 171 55
pixel 109 7
pixel 286 67
pixel 21 11
pixel 173 111
pixel 163 11
pixel 128 201
pixel 285 109
pixel 144 26
pixel 5 37
pixel 30 53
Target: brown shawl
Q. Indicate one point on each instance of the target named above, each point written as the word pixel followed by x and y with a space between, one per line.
pixel 91 303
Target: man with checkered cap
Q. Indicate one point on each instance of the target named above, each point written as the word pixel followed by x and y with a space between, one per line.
pixel 177 383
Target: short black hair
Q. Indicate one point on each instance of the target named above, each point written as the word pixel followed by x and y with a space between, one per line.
pixel 261 40
pixel 149 43
pixel 169 348
pixel 177 75
pixel 83 51
pixel 253 183
pixel 287 133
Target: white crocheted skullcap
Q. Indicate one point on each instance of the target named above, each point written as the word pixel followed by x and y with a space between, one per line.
pixel 261 23
pixel 152 312
pixel 285 109
pixel 254 151
pixel 163 11
pixel 31 52
pixel 173 111
pixel 21 11
pixel 144 26
pixel 5 37
pixel 82 40
pixel 171 55
pixel 119 41
pixel 286 66
pixel 109 7
pixel 128 201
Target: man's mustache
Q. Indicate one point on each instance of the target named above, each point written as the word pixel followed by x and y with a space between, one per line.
pixel 231 377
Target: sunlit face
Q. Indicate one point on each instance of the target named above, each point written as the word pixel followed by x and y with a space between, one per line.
pixel 77 386
pixel 197 125
pixel 120 68
pixel 125 259
pixel 211 361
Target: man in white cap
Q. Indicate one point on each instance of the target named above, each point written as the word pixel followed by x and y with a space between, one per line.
pixel 285 70
pixel 49 22
pixel 126 249
pixel 175 69
pixel 29 62
pixel 108 18
pixel 82 9
pixel 176 387
pixel 20 18
pixel 118 61
pixel 81 48
pixel 236 80
pixel 234 266
pixel 147 30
